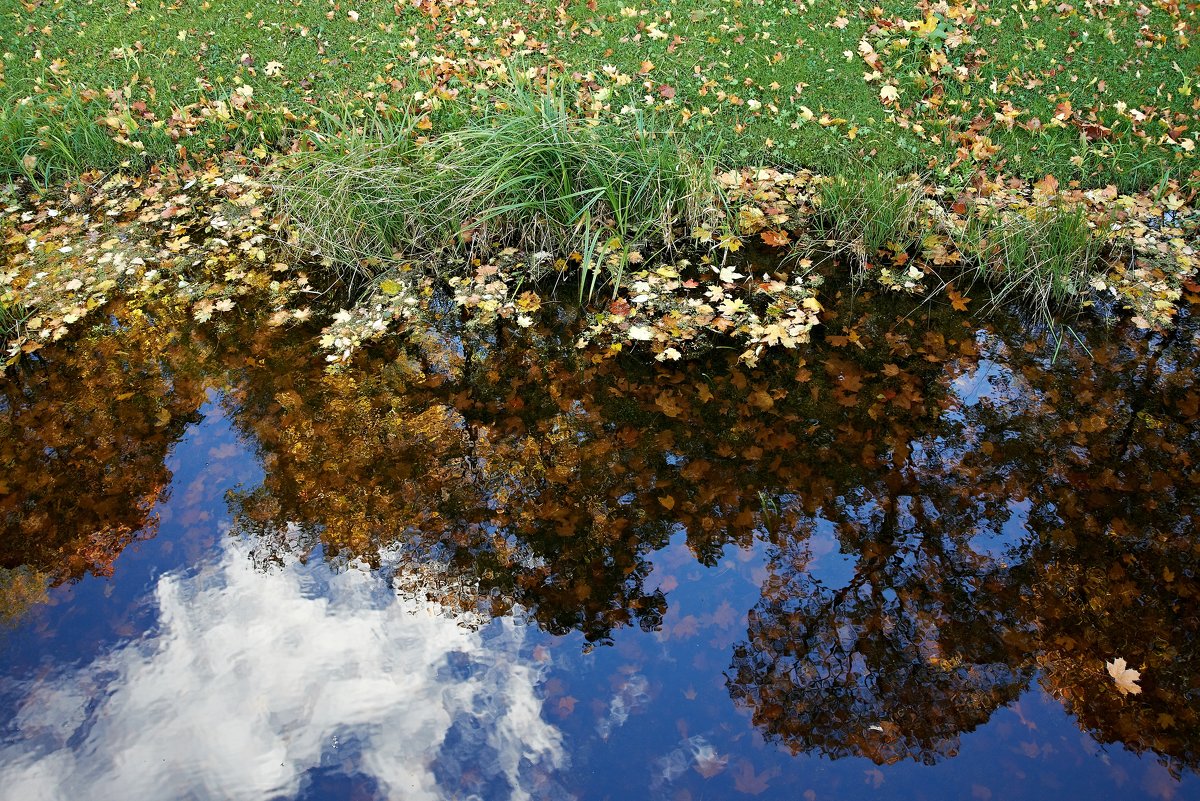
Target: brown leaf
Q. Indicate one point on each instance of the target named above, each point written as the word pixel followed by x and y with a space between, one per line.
pixel 958 301
pixel 745 780
pixel 1045 188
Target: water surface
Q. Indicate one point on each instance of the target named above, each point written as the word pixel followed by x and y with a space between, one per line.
pixel 483 564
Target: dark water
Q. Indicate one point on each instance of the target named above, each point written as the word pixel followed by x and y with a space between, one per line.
pixel 490 566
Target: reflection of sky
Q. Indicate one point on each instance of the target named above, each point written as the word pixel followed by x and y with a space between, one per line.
pixel 983 380
pixel 254 683
pixel 829 564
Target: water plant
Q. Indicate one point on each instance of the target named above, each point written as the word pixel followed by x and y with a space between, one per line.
pixel 12 318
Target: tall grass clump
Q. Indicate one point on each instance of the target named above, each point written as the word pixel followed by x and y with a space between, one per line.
pixel 1045 257
pixel 527 173
pixel 861 213
pixel 44 140
pixel 12 319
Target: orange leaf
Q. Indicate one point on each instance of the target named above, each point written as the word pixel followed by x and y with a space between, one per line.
pixel 959 302
pixel 1045 188
pixel 775 239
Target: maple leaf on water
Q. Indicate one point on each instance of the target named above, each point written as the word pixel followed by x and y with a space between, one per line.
pixel 1126 678
pixel 775 239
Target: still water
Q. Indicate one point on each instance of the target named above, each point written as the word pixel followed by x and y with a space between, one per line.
pixel 483 564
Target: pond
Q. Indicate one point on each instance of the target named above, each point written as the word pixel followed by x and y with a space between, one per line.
pixel 484 563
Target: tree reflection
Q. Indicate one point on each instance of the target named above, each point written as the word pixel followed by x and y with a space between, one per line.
pixel 83 438
pixel 911 650
pixel 529 475
pixel 1112 568
pixel 1005 517
pixel 930 636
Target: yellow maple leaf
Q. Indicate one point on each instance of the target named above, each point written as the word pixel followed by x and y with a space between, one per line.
pixel 928 26
pixel 730 242
pixel 1126 678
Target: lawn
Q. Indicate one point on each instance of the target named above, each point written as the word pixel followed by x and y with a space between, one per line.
pixel 1095 93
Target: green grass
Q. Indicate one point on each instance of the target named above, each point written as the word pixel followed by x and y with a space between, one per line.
pixel 43 139
pixel 748 70
pixel 761 52
pixel 1094 95
pixel 1042 257
pixel 862 212
pixel 526 173
pixel 12 319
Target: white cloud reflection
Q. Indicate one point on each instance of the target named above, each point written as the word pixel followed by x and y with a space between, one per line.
pixel 252 680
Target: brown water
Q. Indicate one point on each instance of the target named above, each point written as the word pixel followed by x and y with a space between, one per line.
pixel 484 564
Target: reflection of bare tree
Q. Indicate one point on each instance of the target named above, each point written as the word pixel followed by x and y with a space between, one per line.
pixel 83 435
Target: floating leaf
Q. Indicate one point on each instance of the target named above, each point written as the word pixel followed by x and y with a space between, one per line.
pixel 1126 678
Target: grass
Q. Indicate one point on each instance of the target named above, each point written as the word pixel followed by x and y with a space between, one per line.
pixel 1043 257
pixel 527 173
pixel 43 139
pixel 862 212
pixel 418 150
pixel 12 319
pixel 781 81
pixel 532 175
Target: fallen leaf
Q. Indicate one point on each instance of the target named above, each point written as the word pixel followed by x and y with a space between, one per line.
pixel 958 301
pixel 775 239
pixel 1126 678
pixel 745 780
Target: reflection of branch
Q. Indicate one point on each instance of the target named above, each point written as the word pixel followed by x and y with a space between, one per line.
pixel 1142 395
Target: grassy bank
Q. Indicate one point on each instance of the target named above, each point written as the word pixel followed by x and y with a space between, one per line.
pixel 526 196
pixel 443 232
pixel 497 148
pixel 1091 93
